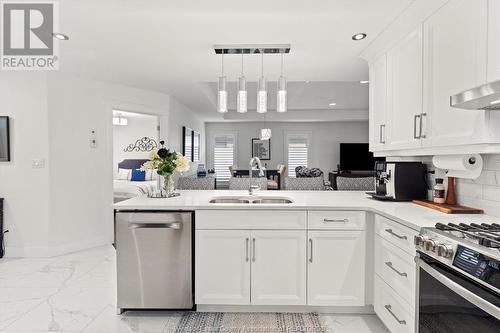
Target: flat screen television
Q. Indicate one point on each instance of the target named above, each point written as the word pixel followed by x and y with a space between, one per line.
pixel 357 157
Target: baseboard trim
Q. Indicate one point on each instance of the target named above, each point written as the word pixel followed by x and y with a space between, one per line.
pixel 367 309
pixel 52 251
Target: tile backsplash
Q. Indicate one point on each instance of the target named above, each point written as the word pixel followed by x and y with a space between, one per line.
pixel 483 192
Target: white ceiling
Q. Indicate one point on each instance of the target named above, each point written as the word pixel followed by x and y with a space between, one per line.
pixel 167 46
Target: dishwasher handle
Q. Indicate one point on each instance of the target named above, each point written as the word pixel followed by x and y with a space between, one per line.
pixel 169 225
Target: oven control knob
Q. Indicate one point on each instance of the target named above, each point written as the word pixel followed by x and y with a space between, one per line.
pixel 419 240
pixel 444 250
pixel 429 245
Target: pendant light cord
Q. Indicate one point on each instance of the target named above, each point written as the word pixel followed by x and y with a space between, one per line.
pixel 262 63
pixel 241 62
pixel 282 64
pixel 222 63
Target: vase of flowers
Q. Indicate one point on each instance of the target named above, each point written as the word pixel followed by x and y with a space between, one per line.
pixel 166 163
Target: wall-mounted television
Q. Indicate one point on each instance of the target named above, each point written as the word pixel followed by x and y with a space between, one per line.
pixel 357 157
pixel 4 139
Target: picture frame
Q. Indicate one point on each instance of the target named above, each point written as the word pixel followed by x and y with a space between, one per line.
pixel 261 149
pixel 4 139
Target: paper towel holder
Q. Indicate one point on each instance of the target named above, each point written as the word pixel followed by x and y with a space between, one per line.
pixel 472 160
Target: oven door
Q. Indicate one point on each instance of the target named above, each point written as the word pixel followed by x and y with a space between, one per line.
pixel 448 302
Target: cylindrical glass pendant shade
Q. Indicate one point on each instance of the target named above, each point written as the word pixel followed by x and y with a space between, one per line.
pixel 242 95
pixel 222 95
pixel 281 98
pixel 262 96
pixel 265 134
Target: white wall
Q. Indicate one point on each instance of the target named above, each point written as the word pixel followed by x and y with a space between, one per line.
pixel 138 126
pixel 181 116
pixel 26 190
pixel 325 140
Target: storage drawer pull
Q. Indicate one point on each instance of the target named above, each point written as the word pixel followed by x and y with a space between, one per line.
pixel 335 220
pixel 395 234
pixel 389 264
pixel 389 309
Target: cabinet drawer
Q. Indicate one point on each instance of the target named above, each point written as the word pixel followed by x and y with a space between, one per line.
pixel 251 219
pixel 336 220
pixel 396 234
pixel 396 268
pixel 392 309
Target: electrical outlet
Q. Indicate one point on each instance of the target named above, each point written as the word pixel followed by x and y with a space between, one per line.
pixel 93 140
pixel 38 163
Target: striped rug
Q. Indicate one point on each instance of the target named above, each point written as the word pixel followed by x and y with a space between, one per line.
pixel 222 322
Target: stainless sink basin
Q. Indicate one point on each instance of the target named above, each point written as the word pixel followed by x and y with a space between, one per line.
pixel 229 200
pixel 251 200
pixel 272 201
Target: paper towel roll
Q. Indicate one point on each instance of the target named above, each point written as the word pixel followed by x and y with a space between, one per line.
pixel 460 166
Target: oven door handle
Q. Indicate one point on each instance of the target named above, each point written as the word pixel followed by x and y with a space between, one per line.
pixel 458 289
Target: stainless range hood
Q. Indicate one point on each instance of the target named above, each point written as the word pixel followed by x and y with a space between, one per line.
pixel 485 97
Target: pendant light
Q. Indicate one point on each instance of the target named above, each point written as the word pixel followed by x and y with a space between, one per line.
pixel 262 92
pixel 241 106
pixel 281 98
pixel 222 91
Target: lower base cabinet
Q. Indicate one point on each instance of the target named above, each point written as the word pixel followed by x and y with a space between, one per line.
pixel 269 263
pixel 336 268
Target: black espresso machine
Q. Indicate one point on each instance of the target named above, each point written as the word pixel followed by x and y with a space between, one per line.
pixel 400 181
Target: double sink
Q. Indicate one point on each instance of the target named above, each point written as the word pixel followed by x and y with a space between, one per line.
pixel 250 200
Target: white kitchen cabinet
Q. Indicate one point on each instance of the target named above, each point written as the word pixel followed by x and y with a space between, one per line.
pixel 455 55
pixel 404 92
pixel 493 40
pixel 278 267
pixel 336 268
pixel 378 103
pixel 222 268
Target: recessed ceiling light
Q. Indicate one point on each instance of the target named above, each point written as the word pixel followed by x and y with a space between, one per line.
pixel 332 104
pixel 359 36
pixel 60 36
pixel 364 81
pixel 495 102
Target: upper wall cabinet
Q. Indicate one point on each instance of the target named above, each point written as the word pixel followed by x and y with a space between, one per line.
pixel 404 93
pixel 493 40
pixel 378 103
pixel 455 54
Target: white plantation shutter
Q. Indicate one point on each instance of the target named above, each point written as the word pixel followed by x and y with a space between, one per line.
pixel 297 152
pixel 223 156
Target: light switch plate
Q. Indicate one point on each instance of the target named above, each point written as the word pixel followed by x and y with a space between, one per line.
pixel 38 163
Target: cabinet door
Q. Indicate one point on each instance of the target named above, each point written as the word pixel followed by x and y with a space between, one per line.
pixel 222 269
pixel 336 268
pixel 378 101
pixel 493 40
pixel 454 61
pixel 404 84
pixel 279 267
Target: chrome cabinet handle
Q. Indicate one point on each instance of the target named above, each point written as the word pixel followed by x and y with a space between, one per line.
pixel 253 249
pixel 335 220
pixel 388 307
pixel 247 251
pixel 389 264
pixel 310 250
pixel 394 234
pixel 383 133
pixel 422 135
pixel 380 134
pixel 415 135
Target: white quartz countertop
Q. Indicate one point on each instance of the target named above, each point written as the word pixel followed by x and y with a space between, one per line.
pixel 406 213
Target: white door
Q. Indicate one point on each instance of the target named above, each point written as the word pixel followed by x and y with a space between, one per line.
pixel 378 103
pixel 279 267
pixel 454 61
pixel 404 84
pixel 222 267
pixel 493 40
pixel 336 268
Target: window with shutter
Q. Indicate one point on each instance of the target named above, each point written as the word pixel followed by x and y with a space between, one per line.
pixel 297 152
pixel 224 153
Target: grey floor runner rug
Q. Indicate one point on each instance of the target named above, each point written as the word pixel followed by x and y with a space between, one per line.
pixel 222 322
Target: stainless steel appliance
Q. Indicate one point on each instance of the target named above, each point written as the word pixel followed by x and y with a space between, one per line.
pixel 458 278
pixel 400 181
pixel 485 97
pixel 154 260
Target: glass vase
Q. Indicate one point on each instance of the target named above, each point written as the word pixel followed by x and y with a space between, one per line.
pixel 168 185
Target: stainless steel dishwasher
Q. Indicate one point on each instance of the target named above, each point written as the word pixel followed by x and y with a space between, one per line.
pixel 154 260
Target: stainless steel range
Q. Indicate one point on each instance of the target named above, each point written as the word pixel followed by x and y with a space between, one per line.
pixel 458 278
